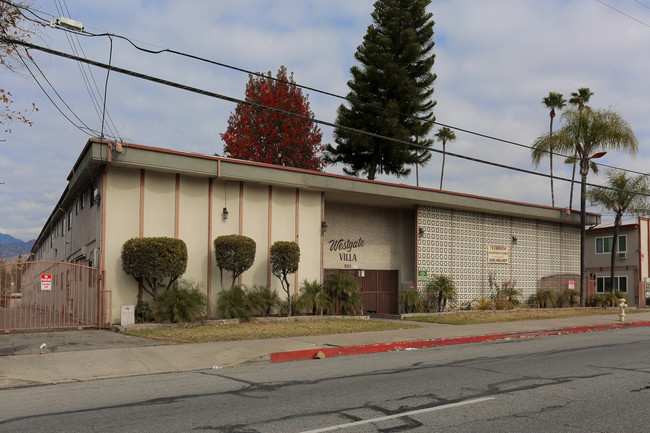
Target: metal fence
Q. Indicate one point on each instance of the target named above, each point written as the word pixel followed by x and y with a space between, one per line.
pixel 46 295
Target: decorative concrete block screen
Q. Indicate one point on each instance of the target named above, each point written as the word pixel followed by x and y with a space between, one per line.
pixel 468 245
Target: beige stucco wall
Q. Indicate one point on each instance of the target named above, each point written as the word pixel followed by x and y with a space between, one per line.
pixel 255 217
pixel 122 223
pixel 224 194
pixel 159 219
pixel 159 204
pixel 309 237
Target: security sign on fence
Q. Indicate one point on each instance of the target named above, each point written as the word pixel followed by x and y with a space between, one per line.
pixel 46 282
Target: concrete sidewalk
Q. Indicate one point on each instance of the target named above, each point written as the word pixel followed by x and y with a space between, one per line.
pixel 87 355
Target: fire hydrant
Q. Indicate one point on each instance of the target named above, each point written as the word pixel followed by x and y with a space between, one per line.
pixel 621 308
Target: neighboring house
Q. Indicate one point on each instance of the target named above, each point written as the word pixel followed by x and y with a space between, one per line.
pixel 387 235
pixel 632 269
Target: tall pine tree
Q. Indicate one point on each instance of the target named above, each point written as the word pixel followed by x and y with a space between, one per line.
pixel 392 85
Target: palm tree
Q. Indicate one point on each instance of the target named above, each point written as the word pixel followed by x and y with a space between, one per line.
pixel 314 297
pixel 444 134
pixel 578 99
pixel 444 288
pixel 624 195
pixel 588 134
pixel 345 291
pixel 553 101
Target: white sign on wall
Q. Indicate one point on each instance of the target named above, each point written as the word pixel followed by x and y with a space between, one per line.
pixel 498 254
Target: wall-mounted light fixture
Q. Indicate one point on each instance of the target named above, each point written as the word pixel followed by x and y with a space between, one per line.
pixel 323 227
pixel 514 240
pixel 420 232
pixel 224 214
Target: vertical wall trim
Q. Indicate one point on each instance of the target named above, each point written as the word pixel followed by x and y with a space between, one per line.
pixel 141 222
pixel 241 207
pixel 269 237
pixel 417 246
pixel 241 217
pixel 102 241
pixel 537 282
pixel 297 239
pixel 208 286
pixel 640 273
pixel 102 244
pixel 177 201
pixel 647 251
pixel 322 237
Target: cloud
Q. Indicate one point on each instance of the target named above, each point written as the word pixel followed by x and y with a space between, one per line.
pixel 494 61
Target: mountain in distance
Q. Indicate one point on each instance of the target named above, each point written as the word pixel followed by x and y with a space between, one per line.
pixel 11 247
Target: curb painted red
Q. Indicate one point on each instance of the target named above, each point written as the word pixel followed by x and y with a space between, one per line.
pixel 420 344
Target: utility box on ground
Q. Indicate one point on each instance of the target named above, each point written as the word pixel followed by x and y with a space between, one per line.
pixel 127 315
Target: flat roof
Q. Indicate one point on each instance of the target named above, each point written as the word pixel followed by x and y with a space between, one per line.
pixel 336 188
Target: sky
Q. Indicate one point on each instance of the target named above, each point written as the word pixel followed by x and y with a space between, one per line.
pixel 495 61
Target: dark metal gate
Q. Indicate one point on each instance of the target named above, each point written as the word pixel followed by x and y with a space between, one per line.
pixel 46 295
pixel 379 288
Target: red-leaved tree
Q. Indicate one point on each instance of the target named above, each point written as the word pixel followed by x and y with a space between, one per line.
pixel 257 134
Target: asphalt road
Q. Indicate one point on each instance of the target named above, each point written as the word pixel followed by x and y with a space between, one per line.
pixel 593 382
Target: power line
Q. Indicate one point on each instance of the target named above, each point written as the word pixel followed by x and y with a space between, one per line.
pixel 623 13
pixel 84 130
pixel 98 102
pixel 313 89
pixel 273 109
pixel 642 4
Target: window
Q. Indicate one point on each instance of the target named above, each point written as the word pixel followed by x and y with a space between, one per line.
pixel 603 284
pixel 604 244
pixel 62 226
pixel 93 195
pixel 69 219
pixel 82 200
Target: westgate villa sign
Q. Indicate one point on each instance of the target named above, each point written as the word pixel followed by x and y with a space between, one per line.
pixel 347 250
pixel 498 254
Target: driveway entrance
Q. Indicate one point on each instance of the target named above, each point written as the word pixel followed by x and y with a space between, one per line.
pixel 52 295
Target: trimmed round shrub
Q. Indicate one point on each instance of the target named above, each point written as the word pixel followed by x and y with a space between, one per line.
pixel 235 254
pixel 154 262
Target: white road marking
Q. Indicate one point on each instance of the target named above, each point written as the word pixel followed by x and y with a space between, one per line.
pixel 399 415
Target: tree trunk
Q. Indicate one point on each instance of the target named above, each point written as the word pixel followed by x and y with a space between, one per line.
pixel 573 176
pixel 442 171
pixel 286 281
pixel 550 158
pixel 372 171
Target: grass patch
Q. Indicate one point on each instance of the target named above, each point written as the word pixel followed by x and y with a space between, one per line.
pixel 264 330
pixel 489 316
